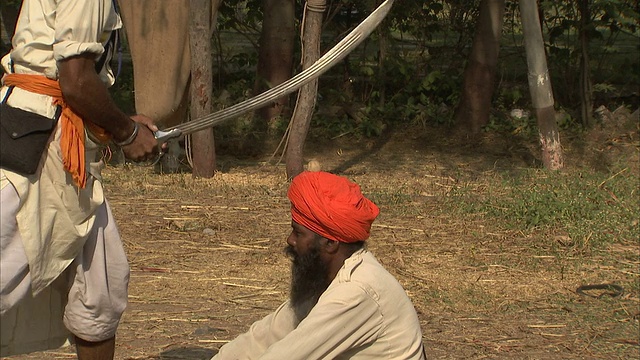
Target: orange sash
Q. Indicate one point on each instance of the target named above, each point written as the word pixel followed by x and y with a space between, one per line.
pixel 72 125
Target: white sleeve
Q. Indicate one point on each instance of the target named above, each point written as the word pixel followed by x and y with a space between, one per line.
pixel 345 317
pixel 262 334
pixel 82 26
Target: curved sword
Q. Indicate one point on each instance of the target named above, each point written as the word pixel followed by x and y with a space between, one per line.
pixel 329 59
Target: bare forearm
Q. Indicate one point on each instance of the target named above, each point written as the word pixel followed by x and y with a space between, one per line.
pixel 88 96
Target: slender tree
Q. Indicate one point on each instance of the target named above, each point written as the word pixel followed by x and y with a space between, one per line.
pixel 305 104
pixel 586 90
pixel 203 156
pixel 540 86
pixel 474 107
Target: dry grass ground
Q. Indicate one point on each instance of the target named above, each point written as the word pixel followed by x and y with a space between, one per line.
pixel 206 255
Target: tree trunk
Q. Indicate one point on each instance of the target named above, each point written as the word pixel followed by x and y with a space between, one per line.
pixel 586 93
pixel 305 104
pixel 275 58
pixel 383 36
pixel 540 86
pixel 203 156
pixel 479 76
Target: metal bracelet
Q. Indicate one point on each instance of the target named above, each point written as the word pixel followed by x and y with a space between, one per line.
pixel 131 137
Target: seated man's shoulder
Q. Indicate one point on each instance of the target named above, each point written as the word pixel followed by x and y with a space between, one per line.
pixel 368 266
pixel 367 273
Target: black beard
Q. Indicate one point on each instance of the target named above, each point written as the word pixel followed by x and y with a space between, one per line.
pixel 308 280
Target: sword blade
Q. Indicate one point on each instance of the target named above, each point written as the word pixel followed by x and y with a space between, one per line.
pixel 328 60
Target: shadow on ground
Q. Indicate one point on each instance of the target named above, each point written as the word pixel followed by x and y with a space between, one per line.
pixel 188 353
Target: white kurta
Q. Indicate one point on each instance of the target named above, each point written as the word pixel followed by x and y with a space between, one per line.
pixel 55 217
pixel 364 314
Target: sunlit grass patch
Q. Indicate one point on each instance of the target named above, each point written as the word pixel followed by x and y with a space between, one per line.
pixel 590 208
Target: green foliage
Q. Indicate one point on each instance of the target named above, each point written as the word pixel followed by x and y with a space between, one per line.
pixel 591 208
pixel 426 98
pixel 524 126
pixel 564 120
pixel 511 115
pixel 509 97
pixel 603 88
pixel 410 70
pixel 611 27
pixel 240 15
pixel 419 81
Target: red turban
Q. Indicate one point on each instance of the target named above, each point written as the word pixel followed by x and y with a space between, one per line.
pixel 331 206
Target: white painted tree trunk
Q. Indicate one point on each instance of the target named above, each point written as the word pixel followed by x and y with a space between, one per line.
pixel 540 86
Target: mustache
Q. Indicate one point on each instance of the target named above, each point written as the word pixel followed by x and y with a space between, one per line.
pixel 290 252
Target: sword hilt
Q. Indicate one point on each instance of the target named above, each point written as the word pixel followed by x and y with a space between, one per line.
pixel 164 136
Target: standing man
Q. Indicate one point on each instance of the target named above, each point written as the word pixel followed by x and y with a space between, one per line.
pixel 343 303
pixel 63 269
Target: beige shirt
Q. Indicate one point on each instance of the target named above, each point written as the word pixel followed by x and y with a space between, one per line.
pixel 364 314
pixel 55 216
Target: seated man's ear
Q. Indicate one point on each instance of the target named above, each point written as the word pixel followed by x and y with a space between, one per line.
pixel 331 246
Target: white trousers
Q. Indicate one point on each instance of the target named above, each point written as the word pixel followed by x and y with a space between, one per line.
pixel 87 299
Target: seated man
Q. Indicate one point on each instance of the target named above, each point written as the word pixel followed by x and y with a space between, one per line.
pixel 343 303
